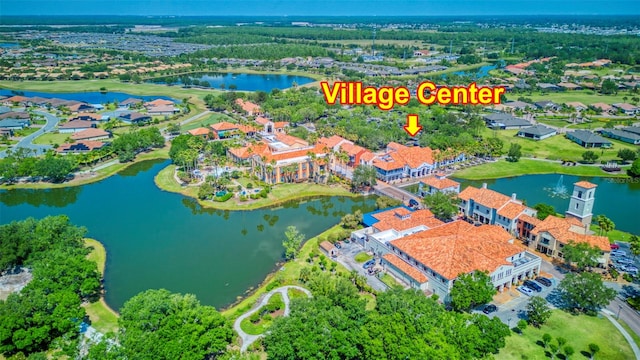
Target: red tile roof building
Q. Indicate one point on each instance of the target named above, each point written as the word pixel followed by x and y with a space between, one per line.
pixel 91 134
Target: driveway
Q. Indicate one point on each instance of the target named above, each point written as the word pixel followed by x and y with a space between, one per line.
pixel 248 339
pixel 25 142
pixel 345 257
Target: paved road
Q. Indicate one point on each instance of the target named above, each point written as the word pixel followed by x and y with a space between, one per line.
pixel 195 117
pixel 395 192
pixel 52 121
pixel 624 332
pixel 345 257
pixel 249 339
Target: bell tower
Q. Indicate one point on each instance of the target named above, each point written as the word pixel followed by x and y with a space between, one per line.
pixel 581 203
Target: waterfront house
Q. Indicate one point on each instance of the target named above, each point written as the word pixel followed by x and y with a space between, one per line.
pixel 537 132
pixel 588 139
pixel 134 118
pixel 329 249
pixel 75 126
pixel 437 183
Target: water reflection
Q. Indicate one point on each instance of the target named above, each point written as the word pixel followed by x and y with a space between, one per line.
pixel 59 197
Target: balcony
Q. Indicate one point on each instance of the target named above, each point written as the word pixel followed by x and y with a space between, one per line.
pixel 527 259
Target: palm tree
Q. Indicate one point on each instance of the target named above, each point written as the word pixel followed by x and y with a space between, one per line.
pixel 312 164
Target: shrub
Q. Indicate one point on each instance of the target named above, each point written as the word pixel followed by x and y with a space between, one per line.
pixel 223 198
pixel 249 186
pixel 627 277
pixel 243 197
pixel 272 285
pixel 255 317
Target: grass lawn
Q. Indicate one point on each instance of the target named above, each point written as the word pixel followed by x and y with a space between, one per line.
pixel 103 318
pixel 212 119
pixel 362 257
pixel 51 138
pixel 584 96
pixel 264 323
pixel 295 294
pixel 556 147
pixel 580 331
pixel 389 280
pixel 503 168
pixel 162 153
pixel 288 275
pixel 614 235
pixel 279 193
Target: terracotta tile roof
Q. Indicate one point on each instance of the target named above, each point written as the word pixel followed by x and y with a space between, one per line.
pixel 262 120
pixel 351 148
pixel 293 154
pixel 327 246
pixel 414 273
pixel 224 126
pixel 76 107
pixel 459 247
pixel 89 133
pixel 259 149
pixel 290 140
pixel 489 198
pixel 511 210
pixel 80 146
pixel 16 98
pixel 585 184
pixel 413 156
pixel 566 230
pixel 388 165
pixel 440 182
pixel 200 131
pixel 248 106
pixel 602 106
pixel 529 219
pixel 76 124
pixel 332 141
pixel 159 102
pixel 367 156
pixel 161 109
pixel 280 124
pixel 401 219
pixel 247 129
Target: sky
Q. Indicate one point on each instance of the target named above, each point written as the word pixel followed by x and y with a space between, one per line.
pixel 318 7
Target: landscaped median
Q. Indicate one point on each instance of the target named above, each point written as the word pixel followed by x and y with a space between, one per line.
pixel 103 318
pixel 279 193
pixel 503 168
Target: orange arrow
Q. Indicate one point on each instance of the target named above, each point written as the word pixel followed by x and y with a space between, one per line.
pixel 412 126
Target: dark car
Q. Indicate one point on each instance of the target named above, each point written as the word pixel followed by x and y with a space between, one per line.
pixel 532 285
pixel 337 245
pixel 544 281
pixel 489 309
pixel 413 203
pixel 369 264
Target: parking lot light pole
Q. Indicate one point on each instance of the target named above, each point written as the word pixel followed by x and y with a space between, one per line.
pixel 619 308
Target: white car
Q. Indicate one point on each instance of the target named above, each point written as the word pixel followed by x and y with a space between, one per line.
pixel 618 253
pixel 624 260
pixel 525 290
pixel 629 269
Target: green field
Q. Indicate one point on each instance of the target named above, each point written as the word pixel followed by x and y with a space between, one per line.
pixel 556 147
pixel 503 168
pixel 579 330
pixel 584 96
pixel 51 138
pixel 362 257
pixel 212 119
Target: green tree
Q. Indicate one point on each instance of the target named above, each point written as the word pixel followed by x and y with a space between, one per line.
pixel 634 245
pixel 544 210
pixel 582 255
pixel 471 290
pixel 385 202
pixel 442 204
pixel 363 175
pixel 609 87
pixel 157 324
pixel 593 349
pixel 634 170
pixel 514 153
pixel 590 156
pixel 605 224
pixel 173 128
pixel 546 339
pixel 585 292
pixel 293 241
pixel 522 325
pixel 538 311
pixel 626 155
pixel 568 351
pixel 351 221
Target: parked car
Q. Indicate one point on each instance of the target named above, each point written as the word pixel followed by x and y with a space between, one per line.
pixel 413 203
pixel 337 245
pixel 525 290
pixel 631 269
pixel 624 260
pixel 369 264
pixel 489 309
pixel 532 285
pixel 618 253
pixel 544 281
pixel 615 246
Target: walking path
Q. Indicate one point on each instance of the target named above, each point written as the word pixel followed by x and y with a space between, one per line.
pixel 195 117
pixel 248 339
pixel 608 314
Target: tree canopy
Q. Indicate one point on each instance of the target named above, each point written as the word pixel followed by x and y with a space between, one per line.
pixel 585 292
pixel 442 204
pixel 471 290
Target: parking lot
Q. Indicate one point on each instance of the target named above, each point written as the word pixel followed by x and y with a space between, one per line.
pixel 345 257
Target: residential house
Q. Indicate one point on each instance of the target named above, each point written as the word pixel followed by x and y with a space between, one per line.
pixel 627 109
pixel 91 134
pixel 537 132
pixel 505 121
pixel 225 130
pixel 437 183
pixel 588 139
pixel 517 105
pixel 604 107
pixel 81 107
pixel 75 126
pixel 578 106
pixel 632 129
pixel 80 147
pixel 547 105
pixel 250 108
pixel 420 53
pixel 445 252
pixel 486 206
pixel 14 124
pixel 205 133
pixel 551 235
pixel 548 87
pixel 158 102
pixel 134 118
pixel 162 110
pixel 130 103
pixel 569 86
pixel 15 115
pixel 85 116
pixel 621 135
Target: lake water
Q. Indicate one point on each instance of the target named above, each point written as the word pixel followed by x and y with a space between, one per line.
pixel 243 82
pixel 91 97
pixel 618 199
pixel 5 45
pixel 156 239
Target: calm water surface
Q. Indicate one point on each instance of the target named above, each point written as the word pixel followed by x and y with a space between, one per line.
pixel 244 82
pixel 618 199
pixel 157 239
pixel 91 97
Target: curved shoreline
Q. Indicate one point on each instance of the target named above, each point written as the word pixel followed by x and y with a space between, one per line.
pixel 164 181
pixel 101 263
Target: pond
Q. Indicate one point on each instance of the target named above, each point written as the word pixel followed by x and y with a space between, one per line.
pixel 616 198
pixel 5 45
pixel 91 97
pixel 156 239
pixel 243 82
